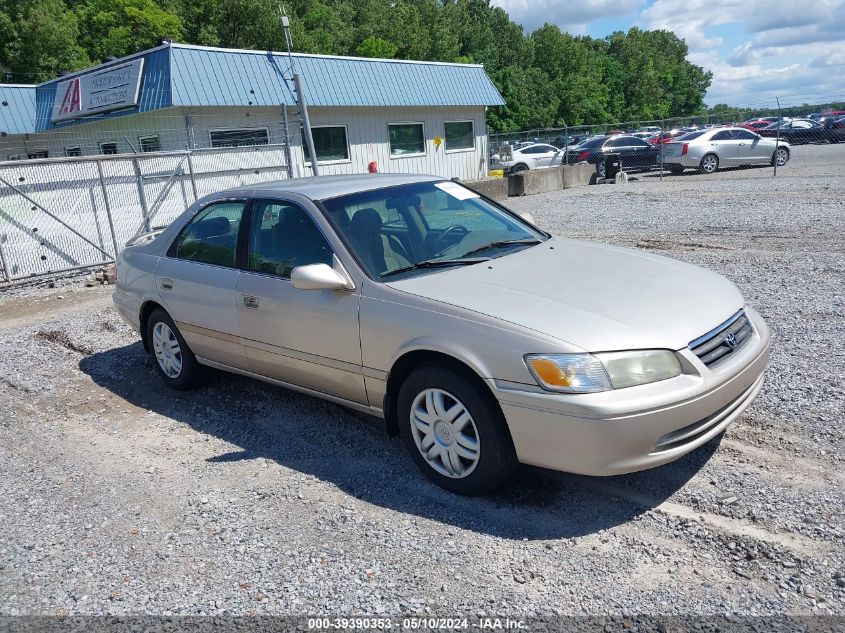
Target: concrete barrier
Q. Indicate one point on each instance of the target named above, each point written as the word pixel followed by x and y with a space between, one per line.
pixel 493 188
pixel 578 175
pixel 527 183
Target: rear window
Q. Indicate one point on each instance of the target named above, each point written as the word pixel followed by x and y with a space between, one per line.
pixel 691 135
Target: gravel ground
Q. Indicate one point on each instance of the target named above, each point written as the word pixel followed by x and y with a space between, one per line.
pixel 119 496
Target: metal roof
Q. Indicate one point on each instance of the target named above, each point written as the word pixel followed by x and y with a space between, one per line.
pixel 17 109
pixel 202 76
pixel 185 75
pixel 155 90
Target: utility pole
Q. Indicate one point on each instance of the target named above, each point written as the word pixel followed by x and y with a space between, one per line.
pixel 299 88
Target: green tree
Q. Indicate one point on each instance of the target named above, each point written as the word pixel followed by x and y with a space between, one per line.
pixel 38 39
pixel 121 27
pixel 376 47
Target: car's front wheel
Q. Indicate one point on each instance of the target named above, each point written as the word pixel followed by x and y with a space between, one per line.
pixel 175 361
pixel 709 164
pixel 455 432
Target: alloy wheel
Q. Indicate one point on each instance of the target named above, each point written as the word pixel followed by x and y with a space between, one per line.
pixel 445 433
pixel 781 157
pixel 167 351
pixel 709 163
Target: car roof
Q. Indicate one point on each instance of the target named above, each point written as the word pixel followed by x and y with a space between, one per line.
pixel 322 187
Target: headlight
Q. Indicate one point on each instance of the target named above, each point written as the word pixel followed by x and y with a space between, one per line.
pixel 589 373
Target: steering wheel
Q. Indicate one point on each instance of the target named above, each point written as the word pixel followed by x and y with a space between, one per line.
pixel 452 228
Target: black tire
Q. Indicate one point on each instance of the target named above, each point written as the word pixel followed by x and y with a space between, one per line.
pixel 601 171
pixel 782 150
pixel 497 460
pixel 675 170
pixel 192 373
pixel 709 164
pixel 518 168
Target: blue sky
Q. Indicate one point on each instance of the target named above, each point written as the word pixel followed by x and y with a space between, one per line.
pixel 756 49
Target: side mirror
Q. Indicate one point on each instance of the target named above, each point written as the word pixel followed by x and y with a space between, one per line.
pixel 528 218
pixel 317 277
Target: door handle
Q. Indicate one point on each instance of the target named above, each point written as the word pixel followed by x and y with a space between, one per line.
pixel 166 284
pixel 250 302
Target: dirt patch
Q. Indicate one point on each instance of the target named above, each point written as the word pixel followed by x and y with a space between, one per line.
pixel 60 337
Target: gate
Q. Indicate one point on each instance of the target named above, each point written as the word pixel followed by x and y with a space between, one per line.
pixel 59 215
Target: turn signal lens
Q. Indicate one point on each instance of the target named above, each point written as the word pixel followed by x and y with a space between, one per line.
pixel 569 373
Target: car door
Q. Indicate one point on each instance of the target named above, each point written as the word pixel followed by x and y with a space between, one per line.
pixel 307 338
pixel 545 155
pixel 726 147
pixel 750 148
pixel 197 280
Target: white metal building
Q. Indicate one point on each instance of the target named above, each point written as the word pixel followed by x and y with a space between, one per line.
pixel 406 116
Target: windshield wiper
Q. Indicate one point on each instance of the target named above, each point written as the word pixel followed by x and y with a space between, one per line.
pixel 436 263
pixel 529 241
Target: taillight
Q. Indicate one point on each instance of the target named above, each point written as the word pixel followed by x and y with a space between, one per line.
pixel 685 149
pixel 583 155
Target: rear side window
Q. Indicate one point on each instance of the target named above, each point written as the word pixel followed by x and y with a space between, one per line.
pixel 691 135
pixel 211 237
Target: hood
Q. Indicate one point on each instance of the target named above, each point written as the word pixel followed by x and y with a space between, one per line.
pixel 593 296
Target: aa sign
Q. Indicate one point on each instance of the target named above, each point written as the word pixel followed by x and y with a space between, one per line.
pixel 99 91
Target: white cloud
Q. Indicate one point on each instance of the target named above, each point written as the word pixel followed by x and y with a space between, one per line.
pixel 570 16
pixel 789 50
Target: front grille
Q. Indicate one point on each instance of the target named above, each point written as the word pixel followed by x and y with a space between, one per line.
pixel 719 344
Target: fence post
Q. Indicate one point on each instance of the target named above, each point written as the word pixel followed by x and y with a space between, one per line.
pixel 660 145
pixel 566 142
pixel 142 196
pixel 777 139
pixel 4 262
pixel 193 180
pixel 108 206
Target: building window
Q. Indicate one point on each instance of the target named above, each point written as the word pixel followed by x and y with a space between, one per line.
pixel 149 143
pixel 38 153
pixel 239 138
pixel 109 147
pixel 459 135
pixel 73 151
pixel 406 139
pixel 331 143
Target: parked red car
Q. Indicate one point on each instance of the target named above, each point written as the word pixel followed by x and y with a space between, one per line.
pixel 757 124
pixel 666 137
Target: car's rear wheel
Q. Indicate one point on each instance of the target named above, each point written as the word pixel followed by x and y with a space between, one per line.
pixel 518 168
pixel 601 170
pixel 175 361
pixel 455 432
pixel 780 157
pixel 709 164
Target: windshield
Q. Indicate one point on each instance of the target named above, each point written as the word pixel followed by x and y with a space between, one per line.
pixel 412 228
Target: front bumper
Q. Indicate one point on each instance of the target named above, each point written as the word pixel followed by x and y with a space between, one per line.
pixel 632 429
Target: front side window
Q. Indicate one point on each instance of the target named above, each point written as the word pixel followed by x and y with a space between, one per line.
pixel 330 142
pixel 406 139
pixel 149 143
pixel 239 138
pixel 459 135
pixel 282 237
pixel 211 237
pixel 391 230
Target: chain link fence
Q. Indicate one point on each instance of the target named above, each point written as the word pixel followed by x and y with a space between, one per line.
pixel 59 215
pixel 814 129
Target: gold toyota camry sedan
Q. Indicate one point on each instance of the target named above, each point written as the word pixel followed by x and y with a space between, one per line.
pixel 479 338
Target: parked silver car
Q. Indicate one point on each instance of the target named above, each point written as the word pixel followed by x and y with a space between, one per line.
pixel 708 150
pixel 482 340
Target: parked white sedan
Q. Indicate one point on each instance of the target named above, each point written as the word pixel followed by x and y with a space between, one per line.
pixel 528 157
pixel 709 150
